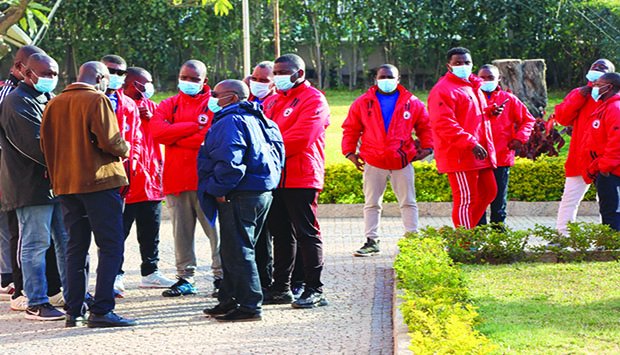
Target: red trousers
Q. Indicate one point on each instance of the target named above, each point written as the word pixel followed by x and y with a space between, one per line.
pixel 472 192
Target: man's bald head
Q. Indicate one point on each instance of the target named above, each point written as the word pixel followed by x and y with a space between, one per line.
pixel 40 65
pixel 194 71
pixel 40 59
pixel 611 78
pixel 21 57
pixel 237 87
pixel 197 65
pixel 94 73
pixel 135 82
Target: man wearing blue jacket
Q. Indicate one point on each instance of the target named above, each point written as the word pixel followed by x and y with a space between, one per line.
pixel 239 165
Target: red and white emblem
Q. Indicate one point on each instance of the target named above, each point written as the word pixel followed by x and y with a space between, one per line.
pixel 288 112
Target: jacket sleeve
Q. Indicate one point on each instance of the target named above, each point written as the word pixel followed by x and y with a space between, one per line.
pixel 523 119
pixel 423 125
pixel 23 131
pixel 194 141
pixel 442 109
pixel 225 146
pixel 610 159
pixel 104 126
pixel 310 124
pixel 352 128
pixel 568 110
pixel 165 131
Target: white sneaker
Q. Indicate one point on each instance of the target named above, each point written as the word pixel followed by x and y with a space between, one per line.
pixel 19 304
pixel 118 283
pixel 156 280
pixel 57 300
pixel 7 292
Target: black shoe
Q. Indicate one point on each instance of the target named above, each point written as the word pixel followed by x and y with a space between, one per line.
pixel 74 321
pixel 219 309
pixel 309 299
pixel 109 320
pixel 217 283
pixel 239 316
pixel 275 297
pixel 181 288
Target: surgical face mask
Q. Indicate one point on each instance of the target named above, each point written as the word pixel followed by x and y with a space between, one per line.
pixel 387 85
pixel 103 85
pixel 259 89
pixel 283 82
pixel 596 93
pixel 149 90
pixel 593 75
pixel 462 71
pixel 213 105
pixel 189 87
pixel 116 82
pixel 45 85
pixel 488 86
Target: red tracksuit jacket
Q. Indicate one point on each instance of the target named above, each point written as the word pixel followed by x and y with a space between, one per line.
pixel 576 110
pixel 459 121
pixel 175 124
pixel 603 139
pixel 394 149
pixel 515 122
pixel 302 114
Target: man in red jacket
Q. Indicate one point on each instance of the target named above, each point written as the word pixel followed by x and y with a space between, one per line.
pixel 302 115
pixel 181 123
pixel 384 119
pixel 143 200
pixel 604 147
pixel 511 129
pixel 261 82
pixel 576 111
pixel 462 137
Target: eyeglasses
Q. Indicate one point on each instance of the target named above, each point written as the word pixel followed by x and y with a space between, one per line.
pixel 117 71
pixel 219 94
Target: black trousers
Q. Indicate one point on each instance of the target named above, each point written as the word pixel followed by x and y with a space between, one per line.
pixel 292 221
pixel 147 216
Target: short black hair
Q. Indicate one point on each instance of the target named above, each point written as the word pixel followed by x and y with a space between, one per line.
pixel 293 59
pixel 265 64
pixel 457 50
pixel 137 71
pixel 387 66
pixel 113 58
pixel 613 79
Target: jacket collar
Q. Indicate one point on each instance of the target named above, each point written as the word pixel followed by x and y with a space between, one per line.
pixel 32 92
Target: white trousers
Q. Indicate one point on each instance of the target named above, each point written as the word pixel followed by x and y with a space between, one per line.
pixel 575 189
pixel 375 182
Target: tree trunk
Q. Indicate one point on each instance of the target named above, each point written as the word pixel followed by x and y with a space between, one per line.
pixel 526 80
pixel 317 45
pixel 353 73
pixel 276 27
pixel 12 15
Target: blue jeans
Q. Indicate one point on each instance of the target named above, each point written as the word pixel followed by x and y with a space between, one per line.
pixel 241 222
pixel 102 214
pixel 498 206
pixel 37 225
pixel 6 269
pixel 608 190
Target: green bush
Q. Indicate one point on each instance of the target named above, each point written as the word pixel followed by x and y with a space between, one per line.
pixel 540 180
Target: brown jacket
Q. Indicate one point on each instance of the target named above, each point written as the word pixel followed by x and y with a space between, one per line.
pixel 82 143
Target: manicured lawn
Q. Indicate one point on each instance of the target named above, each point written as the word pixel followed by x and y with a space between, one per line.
pixel 548 308
pixel 339 102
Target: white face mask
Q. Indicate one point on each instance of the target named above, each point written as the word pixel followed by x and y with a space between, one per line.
pixel 259 89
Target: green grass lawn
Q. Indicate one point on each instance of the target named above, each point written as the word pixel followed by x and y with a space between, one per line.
pixel 548 308
pixel 339 102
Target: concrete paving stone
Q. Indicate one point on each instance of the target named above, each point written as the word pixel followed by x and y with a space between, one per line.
pixel 357 321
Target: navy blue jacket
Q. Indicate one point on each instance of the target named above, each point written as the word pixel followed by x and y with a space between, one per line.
pixel 243 151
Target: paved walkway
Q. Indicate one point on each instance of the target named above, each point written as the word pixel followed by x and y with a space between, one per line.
pixel 357 321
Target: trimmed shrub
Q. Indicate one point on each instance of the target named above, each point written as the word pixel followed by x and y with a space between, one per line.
pixel 540 180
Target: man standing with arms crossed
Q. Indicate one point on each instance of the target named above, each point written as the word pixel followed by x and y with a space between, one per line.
pixel 385 118
pixel 302 114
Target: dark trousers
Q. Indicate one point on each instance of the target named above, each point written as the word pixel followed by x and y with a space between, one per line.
pixel 147 216
pixel 292 222
pixel 264 257
pixel 241 222
pixel 608 190
pixel 100 213
pixel 498 206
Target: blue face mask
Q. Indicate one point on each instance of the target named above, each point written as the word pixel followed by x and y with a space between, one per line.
pixel 488 86
pixel 387 85
pixel 189 87
pixel 596 93
pixel 283 82
pixel 116 82
pixel 149 90
pixel 593 75
pixel 45 85
pixel 462 71
pixel 213 105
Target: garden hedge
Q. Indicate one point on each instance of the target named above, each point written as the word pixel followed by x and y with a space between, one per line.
pixel 540 180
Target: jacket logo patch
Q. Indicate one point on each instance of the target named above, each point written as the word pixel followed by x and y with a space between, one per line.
pixel 596 124
pixel 407 115
pixel 288 112
pixel 203 119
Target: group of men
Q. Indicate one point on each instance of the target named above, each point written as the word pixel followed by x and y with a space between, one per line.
pixel 246 161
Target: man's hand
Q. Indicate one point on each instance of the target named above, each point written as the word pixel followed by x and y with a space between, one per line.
pixel 145 114
pixel 479 152
pixel 357 160
pixel 515 144
pixel 585 90
pixel 220 199
pixel 497 110
pixel 423 153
